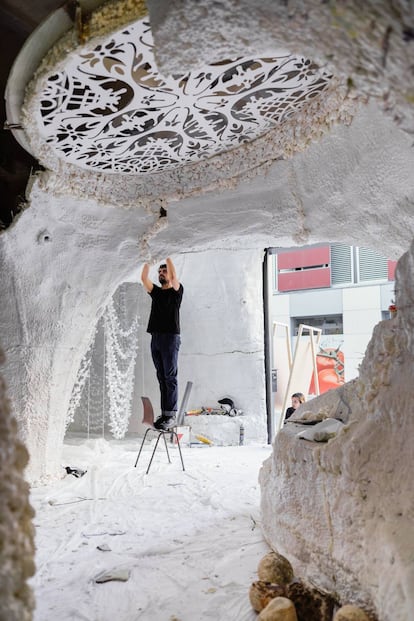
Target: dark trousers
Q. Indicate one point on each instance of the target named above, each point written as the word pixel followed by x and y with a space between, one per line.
pixel 164 351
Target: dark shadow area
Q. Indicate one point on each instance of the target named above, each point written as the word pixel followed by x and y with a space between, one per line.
pixel 17 22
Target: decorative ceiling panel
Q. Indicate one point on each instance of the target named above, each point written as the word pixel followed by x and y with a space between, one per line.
pixel 110 110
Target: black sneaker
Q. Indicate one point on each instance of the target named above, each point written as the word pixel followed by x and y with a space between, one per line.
pixel 164 423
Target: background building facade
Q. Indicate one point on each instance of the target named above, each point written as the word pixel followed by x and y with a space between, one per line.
pixel 343 290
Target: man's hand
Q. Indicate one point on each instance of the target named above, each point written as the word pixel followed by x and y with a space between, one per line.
pixel 172 274
pixel 148 284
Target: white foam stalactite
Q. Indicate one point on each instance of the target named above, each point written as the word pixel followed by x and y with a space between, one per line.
pixel 92 412
pixel 102 394
pixel 120 349
pixel 82 377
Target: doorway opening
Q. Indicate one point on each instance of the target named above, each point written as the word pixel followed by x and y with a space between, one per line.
pixel 341 290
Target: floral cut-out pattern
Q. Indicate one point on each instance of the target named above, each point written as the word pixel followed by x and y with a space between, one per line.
pixel 109 109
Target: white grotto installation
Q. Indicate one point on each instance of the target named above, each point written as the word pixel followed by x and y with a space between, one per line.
pixel 231 156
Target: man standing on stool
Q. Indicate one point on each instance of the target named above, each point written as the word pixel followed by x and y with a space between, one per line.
pixel 164 327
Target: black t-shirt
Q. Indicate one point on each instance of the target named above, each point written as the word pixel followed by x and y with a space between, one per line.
pixel 165 310
pixel 289 413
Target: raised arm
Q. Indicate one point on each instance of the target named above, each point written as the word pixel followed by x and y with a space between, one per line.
pixel 172 274
pixel 148 284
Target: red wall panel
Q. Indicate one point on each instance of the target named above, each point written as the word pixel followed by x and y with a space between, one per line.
pixel 304 279
pixel 391 269
pixel 304 258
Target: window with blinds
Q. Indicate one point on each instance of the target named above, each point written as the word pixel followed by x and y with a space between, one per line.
pixel 371 265
pixel 342 272
pixel 330 324
pixel 347 265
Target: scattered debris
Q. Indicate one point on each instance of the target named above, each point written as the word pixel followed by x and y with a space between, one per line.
pixel 54 503
pixel 121 575
pixel 254 523
pixel 77 472
pixel 226 408
pixel 101 534
pixel 203 439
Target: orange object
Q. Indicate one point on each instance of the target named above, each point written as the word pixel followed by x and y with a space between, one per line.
pixel 328 379
pixel 330 364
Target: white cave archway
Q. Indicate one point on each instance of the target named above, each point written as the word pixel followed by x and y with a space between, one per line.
pixel 83 234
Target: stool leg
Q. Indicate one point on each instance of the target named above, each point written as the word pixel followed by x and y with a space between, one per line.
pixel 161 433
pixel 179 448
pixel 166 447
pixel 142 444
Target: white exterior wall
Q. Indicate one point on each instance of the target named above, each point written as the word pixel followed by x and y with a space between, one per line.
pixel 361 313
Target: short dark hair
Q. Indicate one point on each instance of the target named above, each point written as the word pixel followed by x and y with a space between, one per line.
pixel 162 265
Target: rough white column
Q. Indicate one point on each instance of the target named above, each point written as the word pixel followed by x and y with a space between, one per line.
pixel 16 530
pixel 61 261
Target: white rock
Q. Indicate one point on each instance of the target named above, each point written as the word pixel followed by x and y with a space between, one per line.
pixel 323 431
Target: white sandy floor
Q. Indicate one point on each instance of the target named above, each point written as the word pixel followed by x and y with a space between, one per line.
pixel 191 540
